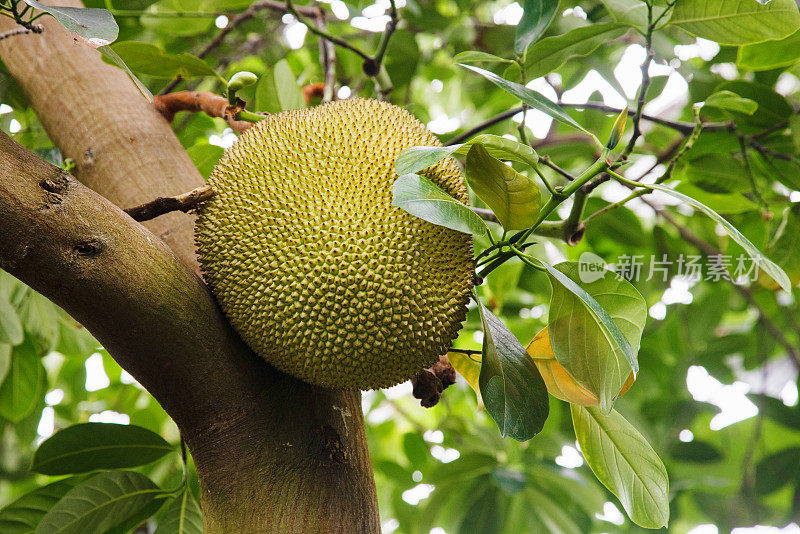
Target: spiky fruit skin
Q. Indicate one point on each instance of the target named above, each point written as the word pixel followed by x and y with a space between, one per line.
pixel 314 267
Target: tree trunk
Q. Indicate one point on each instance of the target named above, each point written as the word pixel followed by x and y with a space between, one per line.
pixel 273 454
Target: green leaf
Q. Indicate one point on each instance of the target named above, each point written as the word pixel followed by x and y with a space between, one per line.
pixel 166 17
pixel 418 158
pixel 415 450
pixel 782 247
pixel 776 470
pixel 96 27
pixel 634 12
pixel 625 463
pixel 112 58
pixel 39 317
pixel 737 22
pixel 794 126
pixel 775 272
pixel 475 56
pixel 10 324
pixel 205 156
pixel 424 199
pixel 514 198
pixel 595 325
pixel 536 17
pixel 552 513
pixel 277 90
pixel 770 54
pixel 510 482
pixel 5 360
pixel 776 410
pixel 695 451
pixel 504 281
pixel 101 503
pixel 23 515
pixel 716 173
pixel 721 201
pixel 89 446
pixel 289 93
pixel 730 101
pixel 181 516
pixel 21 389
pixel 530 97
pixel 402 57
pixel 772 107
pixel 415 159
pixel 552 52
pixel 502 148
pixel 511 387
pixel 152 60
pixel 483 515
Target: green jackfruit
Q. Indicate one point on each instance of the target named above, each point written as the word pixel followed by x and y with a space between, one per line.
pixel 313 266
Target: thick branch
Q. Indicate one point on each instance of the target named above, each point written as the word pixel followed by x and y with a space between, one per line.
pixel 267 447
pixel 120 281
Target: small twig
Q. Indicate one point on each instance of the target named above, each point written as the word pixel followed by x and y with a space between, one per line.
pixel 766 151
pixel 486 215
pixel 750 175
pixel 484 125
pixel 573 227
pixel 429 384
pixel 674 153
pixel 185 203
pixel 35 28
pixel 679 126
pixel 234 23
pixel 325 35
pixel 468 352
pixel 771 130
pixel 391 26
pixel 209 103
pixel 547 162
pixel 327 57
pixel 683 127
pixel 637 117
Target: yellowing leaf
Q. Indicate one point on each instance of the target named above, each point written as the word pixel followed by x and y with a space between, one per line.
pixel 559 382
pixel 468 366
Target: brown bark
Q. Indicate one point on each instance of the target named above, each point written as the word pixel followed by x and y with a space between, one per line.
pixel 273 454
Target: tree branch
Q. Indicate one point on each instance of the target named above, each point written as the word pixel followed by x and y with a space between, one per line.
pixel 209 103
pixel 327 58
pixel 255 434
pixel 35 28
pixel 679 126
pixel 185 203
pixel 118 280
pixel 234 23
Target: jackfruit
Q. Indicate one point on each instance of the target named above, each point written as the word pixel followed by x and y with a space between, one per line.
pixel 315 269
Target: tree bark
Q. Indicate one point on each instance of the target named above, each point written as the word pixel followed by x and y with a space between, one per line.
pixel 273 454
